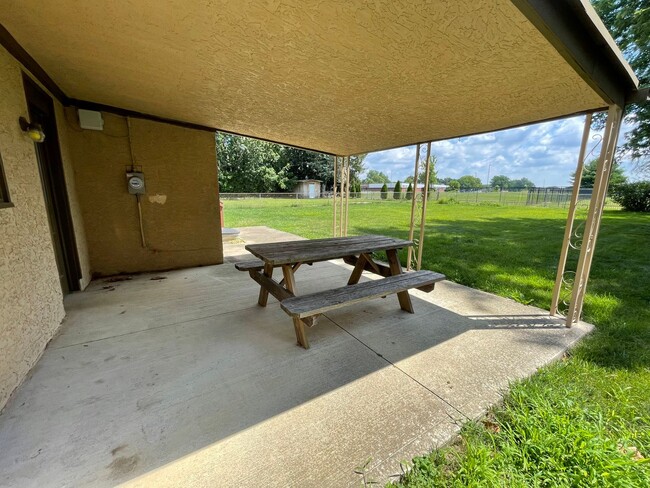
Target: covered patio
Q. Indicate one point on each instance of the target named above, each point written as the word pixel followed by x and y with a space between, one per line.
pixel 179 378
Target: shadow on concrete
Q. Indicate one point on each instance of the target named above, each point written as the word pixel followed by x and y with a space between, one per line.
pixel 150 371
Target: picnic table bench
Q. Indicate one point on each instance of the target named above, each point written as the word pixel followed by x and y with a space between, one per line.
pixel 356 251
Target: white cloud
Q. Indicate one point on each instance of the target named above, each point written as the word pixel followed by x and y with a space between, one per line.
pixel 545 153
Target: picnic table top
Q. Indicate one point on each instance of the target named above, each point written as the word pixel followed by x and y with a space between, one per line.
pixel 314 250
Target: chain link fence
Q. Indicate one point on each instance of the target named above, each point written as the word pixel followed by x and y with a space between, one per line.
pixel 538 197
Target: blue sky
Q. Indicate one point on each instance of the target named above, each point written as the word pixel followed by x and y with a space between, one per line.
pixel 545 153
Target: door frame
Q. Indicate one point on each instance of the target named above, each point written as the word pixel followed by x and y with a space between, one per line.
pixel 53 182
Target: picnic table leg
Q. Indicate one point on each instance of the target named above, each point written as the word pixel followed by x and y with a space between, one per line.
pixel 298 325
pixel 358 269
pixel 264 293
pixel 396 269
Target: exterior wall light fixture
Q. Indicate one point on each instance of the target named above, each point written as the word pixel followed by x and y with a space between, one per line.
pixel 34 131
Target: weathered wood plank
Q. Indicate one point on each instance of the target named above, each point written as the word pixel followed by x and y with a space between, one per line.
pixel 317 303
pixel 358 269
pixel 380 268
pixel 298 325
pixel 383 269
pixel 270 286
pixel 396 269
pixel 294 268
pixel 323 249
pixel 264 292
pixel 280 293
pixel 248 265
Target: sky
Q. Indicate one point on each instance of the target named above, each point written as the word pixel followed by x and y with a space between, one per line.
pixel 545 153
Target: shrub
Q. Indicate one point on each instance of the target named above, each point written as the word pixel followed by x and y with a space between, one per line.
pixel 384 192
pixel 634 197
pixel 409 192
pixel 447 201
pixel 397 191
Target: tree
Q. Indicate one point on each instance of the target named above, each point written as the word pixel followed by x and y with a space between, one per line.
pixel 522 183
pixel 357 167
pixel 432 173
pixel 249 165
pixel 634 197
pixel 616 177
pixel 452 185
pixel 384 192
pixel 409 192
pixel 500 181
pixel 397 191
pixel 468 182
pixel 629 23
pixel 306 165
pixel 374 176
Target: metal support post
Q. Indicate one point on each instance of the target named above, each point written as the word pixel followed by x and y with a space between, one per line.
pixel 568 231
pixel 596 205
pixel 416 172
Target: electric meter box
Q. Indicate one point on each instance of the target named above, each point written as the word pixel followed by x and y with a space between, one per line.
pixel 135 183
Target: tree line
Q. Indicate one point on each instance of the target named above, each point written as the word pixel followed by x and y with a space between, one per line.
pixel 252 166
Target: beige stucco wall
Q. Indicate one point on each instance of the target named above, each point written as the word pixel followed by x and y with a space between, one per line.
pixel 180 214
pixel 31 303
pixel 180 209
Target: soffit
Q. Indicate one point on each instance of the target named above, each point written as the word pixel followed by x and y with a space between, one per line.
pixel 338 77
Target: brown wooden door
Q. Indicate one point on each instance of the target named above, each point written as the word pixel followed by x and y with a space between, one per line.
pixel 41 111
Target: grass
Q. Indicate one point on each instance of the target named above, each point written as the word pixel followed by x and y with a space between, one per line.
pixel 584 421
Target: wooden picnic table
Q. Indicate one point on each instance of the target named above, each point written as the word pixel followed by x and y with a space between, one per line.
pixel 356 251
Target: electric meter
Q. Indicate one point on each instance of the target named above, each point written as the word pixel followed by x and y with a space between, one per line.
pixel 135 183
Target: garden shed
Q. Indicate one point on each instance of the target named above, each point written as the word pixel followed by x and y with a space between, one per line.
pixel 308 188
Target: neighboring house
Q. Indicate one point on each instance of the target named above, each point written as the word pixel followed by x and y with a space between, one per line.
pixel 308 188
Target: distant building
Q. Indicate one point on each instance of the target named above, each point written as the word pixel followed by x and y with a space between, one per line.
pixel 308 188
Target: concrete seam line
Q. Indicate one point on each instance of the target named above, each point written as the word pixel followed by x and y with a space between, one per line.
pixel 398 368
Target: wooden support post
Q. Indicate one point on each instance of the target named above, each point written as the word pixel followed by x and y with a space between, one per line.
pixel 342 194
pixel 414 197
pixel 294 268
pixel 347 197
pixel 298 324
pixel 425 198
pixel 336 160
pixel 264 293
pixel 396 269
pixel 573 205
pixel 358 269
pixel 596 206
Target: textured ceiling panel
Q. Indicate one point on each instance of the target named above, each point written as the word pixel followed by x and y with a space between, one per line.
pixel 340 77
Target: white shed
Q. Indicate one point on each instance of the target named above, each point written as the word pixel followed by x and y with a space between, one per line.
pixel 308 188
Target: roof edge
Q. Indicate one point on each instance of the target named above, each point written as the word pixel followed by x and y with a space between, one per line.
pixel 574 29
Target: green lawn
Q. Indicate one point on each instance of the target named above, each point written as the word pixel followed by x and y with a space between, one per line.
pixel 584 421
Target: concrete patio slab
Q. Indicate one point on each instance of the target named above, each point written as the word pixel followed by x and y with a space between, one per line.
pixel 179 378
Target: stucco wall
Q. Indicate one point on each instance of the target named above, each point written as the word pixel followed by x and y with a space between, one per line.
pixel 31 303
pixel 180 209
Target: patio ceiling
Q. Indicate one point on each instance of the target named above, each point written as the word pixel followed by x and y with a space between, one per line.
pixel 337 77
